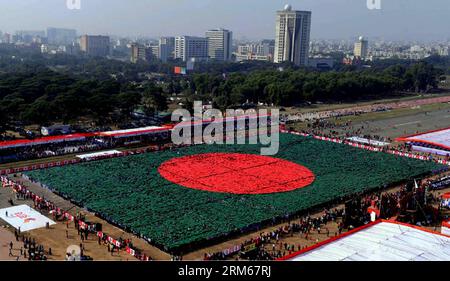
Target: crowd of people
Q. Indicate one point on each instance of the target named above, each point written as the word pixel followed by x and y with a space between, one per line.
pixel 15 154
pixel 269 245
pixel 358 110
pixel 311 116
pixel 412 203
pixel 333 123
pixel 328 129
pixel 89 144
pixel 338 128
pixel 84 228
pixel 29 249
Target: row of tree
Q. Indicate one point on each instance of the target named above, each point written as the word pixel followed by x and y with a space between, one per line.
pixel 46 97
pixel 291 87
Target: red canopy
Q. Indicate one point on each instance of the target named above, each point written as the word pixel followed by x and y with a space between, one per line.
pixel 81 136
pixel 44 140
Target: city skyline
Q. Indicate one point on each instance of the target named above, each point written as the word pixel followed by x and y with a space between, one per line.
pixel 155 18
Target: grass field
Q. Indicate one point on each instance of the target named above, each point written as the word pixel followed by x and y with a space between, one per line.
pixel 131 192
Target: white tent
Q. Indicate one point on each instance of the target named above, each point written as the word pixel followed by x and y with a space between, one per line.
pixel 89 156
pixel 368 141
pixel 380 241
pixel 24 218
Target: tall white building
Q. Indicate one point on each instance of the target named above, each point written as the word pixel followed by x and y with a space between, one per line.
pixel 362 48
pixel 219 44
pixel 293 30
pixel 190 47
pixel 166 48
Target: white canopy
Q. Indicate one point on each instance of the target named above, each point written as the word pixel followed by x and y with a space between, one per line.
pixel 368 141
pixel 98 154
pixel 381 241
pixel 133 132
pixel 24 218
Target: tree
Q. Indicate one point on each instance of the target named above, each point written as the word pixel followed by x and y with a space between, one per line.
pixel 12 104
pixel 68 106
pixel 3 119
pixel 127 102
pixel 153 99
pixel 423 76
pixel 100 105
pixel 39 112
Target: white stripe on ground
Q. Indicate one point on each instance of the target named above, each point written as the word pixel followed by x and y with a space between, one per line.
pixel 409 123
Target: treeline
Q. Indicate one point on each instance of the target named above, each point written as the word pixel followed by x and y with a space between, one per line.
pixel 439 62
pixel 291 87
pixel 46 96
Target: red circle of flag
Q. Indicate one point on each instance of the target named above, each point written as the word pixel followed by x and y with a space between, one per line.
pixel 236 173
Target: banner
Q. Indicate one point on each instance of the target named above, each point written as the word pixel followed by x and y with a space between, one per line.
pixel 82 225
pixel 68 216
pixel 374 213
pixel 445 229
pixel 248 248
pixel 114 242
pixel 441 183
pixel 231 250
pixel 131 251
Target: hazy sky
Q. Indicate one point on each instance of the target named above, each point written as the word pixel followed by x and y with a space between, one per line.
pixel 253 19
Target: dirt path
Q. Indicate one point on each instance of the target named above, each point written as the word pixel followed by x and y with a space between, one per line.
pixel 6 236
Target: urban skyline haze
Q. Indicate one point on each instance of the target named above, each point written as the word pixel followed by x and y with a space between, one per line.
pixel 399 20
